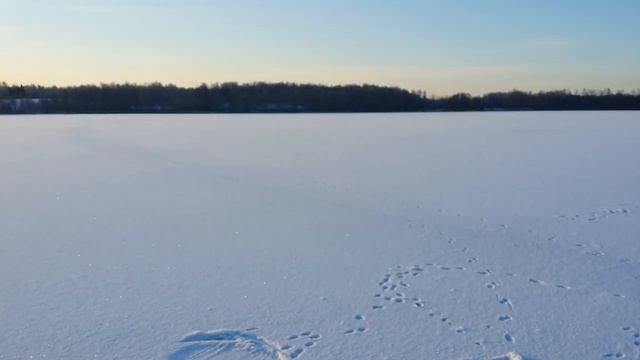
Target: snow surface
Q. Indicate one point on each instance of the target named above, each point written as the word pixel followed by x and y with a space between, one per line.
pixel 388 236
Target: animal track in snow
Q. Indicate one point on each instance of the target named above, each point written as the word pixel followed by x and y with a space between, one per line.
pixel 635 337
pixel 499 280
pixel 595 253
pixel 600 214
pixel 635 340
pixel 504 301
pixel 360 329
pixel 615 355
pixel 359 319
pixel 509 338
pixel 536 281
pixel 396 289
pixel 298 343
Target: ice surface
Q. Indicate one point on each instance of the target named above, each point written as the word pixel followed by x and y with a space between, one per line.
pixel 388 236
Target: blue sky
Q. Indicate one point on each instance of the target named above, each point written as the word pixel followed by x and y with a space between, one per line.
pixel 438 46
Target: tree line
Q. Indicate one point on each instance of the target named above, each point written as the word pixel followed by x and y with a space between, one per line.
pixel 288 97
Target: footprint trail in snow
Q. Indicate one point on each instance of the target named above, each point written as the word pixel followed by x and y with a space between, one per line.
pixel 412 288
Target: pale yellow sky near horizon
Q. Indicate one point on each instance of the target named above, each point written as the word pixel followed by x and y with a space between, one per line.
pixel 436 81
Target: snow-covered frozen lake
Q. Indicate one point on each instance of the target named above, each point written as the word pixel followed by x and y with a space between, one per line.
pixel 368 236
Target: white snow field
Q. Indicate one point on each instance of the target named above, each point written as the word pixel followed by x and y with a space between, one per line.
pixel 449 236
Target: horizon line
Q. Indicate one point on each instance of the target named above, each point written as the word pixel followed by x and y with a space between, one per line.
pixel 606 90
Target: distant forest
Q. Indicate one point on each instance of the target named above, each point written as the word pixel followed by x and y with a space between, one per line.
pixel 288 98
